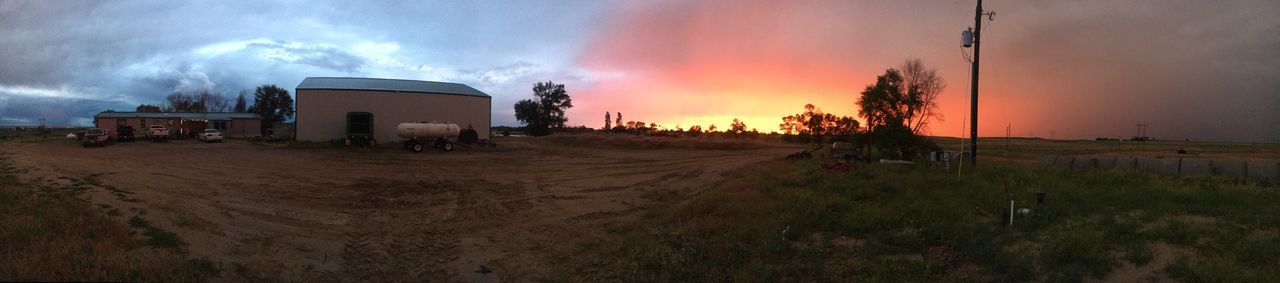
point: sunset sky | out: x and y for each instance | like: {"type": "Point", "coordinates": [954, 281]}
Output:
{"type": "Point", "coordinates": [1202, 70]}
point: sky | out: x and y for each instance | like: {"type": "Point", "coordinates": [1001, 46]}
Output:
{"type": "Point", "coordinates": [1200, 70]}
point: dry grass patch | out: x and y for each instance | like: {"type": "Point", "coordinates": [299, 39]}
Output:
{"type": "Point", "coordinates": [55, 236]}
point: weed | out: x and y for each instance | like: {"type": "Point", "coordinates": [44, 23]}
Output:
{"type": "Point", "coordinates": [766, 222]}
{"type": "Point", "coordinates": [156, 237]}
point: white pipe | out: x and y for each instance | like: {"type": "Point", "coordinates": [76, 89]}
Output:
{"type": "Point", "coordinates": [1010, 213]}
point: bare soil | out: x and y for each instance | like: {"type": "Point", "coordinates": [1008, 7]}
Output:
{"type": "Point", "coordinates": [379, 214]}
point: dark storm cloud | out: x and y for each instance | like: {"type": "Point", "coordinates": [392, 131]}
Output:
{"type": "Point", "coordinates": [1192, 69]}
{"type": "Point", "coordinates": [71, 59]}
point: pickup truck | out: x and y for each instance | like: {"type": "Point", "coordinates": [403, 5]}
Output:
{"type": "Point", "coordinates": [95, 137]}
{"type": "Point", "coordinates": [157, 133]}
{"type": "Point", "coordinates": [210, 135]}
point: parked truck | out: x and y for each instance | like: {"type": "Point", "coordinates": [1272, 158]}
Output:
{"type": "Point", "coordinates": [95, 137]}
{"type": "Point", "coordinates": [440, 135]}
{"type": "Point", "coordinates": [157, 133]}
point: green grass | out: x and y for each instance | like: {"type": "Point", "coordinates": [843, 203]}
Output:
{"type": "Point", "coordinates": [794, 221]}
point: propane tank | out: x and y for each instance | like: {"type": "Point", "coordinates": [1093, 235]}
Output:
{"type": "Point", "coordinates": [427, 130]}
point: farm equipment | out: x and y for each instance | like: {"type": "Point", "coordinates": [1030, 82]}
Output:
{"type": "Point", "coordinates": [437, 134]}
{"type": "Point", "coordinates": [360, 129]}
{"type": "Point", "coordinates": [845, 150]}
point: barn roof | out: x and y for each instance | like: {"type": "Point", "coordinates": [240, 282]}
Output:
{"type": "Point", "coordinates": [217, 116]}
{"type": "Point", "coordinates": [391, 85]}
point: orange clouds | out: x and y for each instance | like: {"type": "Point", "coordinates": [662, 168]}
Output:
{"type": "Point", "coordinates": [705, 63]}
{"type": "Point", "coordinates": [1079, 69]}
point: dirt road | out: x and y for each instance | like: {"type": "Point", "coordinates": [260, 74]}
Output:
{"type": "Point", "coordinates": [381, 214]}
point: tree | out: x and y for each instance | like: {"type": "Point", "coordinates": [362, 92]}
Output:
{"type": "Point", "coordinates": [273, 103]}
{"type": "Point", "coordinates": [888, 107]}
{"type": "Point", "coordinates": [923, 85]}
{"type": "Point", "coordinates": [240, 104]}
{"type": "Point", "coordinates": [712, 128]}
{"type": "Point", "coordinates": [619, 121]}
{"type": "Point", "coordinates": [738, 127]}
{"type": "Point", "coordinates": [148, 108]}
{"type": "Point", "coordinates": [812, 124]}
{"type": "Point", "coordinates": [208, 101]}
{"type": "Point", "coordinates": [546, 110]}
{"type": "Point", "coordinates": [178, 102]}
{"type": "Point", "coordinates": [607, 126]}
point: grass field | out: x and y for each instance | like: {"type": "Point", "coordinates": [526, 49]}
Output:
{"type": "Point", "coordinates": [50, 234]}
{"type": "Point", "coordinates": [648, 209]}
{"type": "Point", "coordinates": [795, 221]}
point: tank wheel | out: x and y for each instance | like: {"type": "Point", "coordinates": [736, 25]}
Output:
{"type": "Point", "coordinates": [417, 147]}
{"type": "Point", "coordinates": [346, 141]}
{"type": "Point", "coordinates": [448, 146]}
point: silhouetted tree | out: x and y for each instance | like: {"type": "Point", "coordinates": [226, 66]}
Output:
{"type": "Point", "coordinates": [546, 110]}
{"type": "Point", "coordinates": [887, 107]}
{"type": "Point", "coordinates": [607, 126]}
{"type": "Point", "coordinates": [178, 102]}
{"type": "Point", "coordinates": [922, 87]}
{"type": "Point", "coordinates": [211, 101]}
{"type": "Point", "coordinates": [738, 127]}
{"type": "Point", "coordinates": [148, 108]}
{"type": "Point", "coordinates": [812, 124]}
{"type": "Point", "coordinates": [240, 104]}
{"type": "Point", "coordinates": [619, 121]}
{"type": "Point", "coordinates": [273, 103]}
{"type": "Point", "coordinates": [712, 128]}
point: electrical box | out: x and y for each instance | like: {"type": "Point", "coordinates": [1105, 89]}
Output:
{"type": "Point", "coordinates": [966, 38]}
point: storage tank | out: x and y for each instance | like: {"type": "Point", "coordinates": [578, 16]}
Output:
{"type": "Point", "coordinates": [427, 130]}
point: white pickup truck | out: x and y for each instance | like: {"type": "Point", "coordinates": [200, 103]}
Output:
{"type": "Point", "coordinates": [157, 133]}
{"type": "Point", "coordinates": [210, 135]}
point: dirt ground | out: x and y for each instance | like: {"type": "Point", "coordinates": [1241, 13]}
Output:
{"type": "Point", "coordinates": [506, 213]}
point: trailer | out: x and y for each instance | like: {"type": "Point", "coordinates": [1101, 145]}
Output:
{"type": "Point", "coordinates": [438, 135]}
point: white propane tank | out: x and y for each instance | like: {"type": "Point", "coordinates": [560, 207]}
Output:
{"type": "Point", "coordinates": [427, 130]}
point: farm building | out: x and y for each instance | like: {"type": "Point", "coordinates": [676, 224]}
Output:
{"type": "Point", "coordinates": [182, 124]}
{"type": "Point", "coordinates": [336, 108]}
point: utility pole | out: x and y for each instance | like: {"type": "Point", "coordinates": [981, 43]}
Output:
{"type": "Point", "coordinates": [1008, 135]}
{"type": "Point", "coordinates": [973, 101]}
{"type": "Point", "coordinates": [1142, 135]}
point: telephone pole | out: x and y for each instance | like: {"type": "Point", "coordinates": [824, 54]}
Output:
{"type": "Point", "coordinates": [973, 101]}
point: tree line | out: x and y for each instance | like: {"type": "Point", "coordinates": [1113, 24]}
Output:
{"type": "Point", "coordinates": [897, 110]}
{"type": "Point", "coordinates": [271, 102]}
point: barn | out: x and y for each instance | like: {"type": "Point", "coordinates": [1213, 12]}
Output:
{"type": "Point", "coordinates": [334, 108]}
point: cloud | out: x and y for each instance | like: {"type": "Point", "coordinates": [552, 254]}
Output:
{"type": "Point", "coordinates": [97, 55]}
{"type": "Point", "coordinates": [1201, 70]}
{"type": "Point", "coordinates": [322, 56]}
